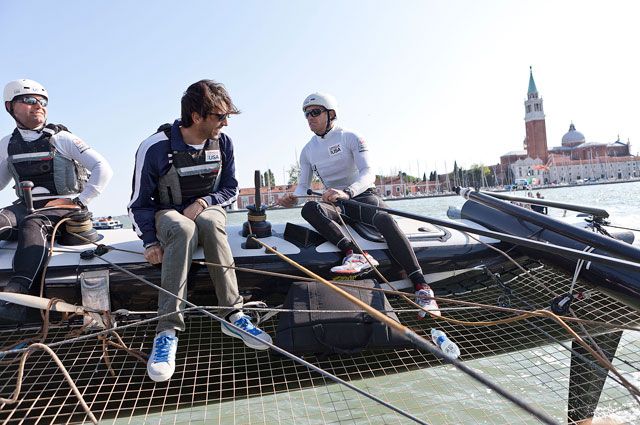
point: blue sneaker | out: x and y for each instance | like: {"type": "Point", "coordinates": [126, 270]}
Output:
{"type": "Point", "coordinates": [162, 361]}
{"type": "Point", "coordinates": [243, 321]}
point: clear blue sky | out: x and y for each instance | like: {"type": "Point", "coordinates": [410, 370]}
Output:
{"type": "Point", "coordinates": [425, 82]}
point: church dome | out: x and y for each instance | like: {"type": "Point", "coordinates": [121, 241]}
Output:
{"type": "Point", "coordinates": [572, 137]}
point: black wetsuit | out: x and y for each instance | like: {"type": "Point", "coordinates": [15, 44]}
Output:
{"type": "Point", "coordinates": [324, 217]}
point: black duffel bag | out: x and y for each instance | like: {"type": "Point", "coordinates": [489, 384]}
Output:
{"type": "Point", "coordinates": [321, 333]}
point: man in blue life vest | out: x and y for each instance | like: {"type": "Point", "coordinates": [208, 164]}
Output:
{"type": "Point", "coordinates": [66, 172]}
{"type": "Point", "coordinates": [184, 177]}
{"type": "Point", "coordinates": [340, 159]}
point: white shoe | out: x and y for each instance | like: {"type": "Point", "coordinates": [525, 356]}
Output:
{"type": "Point", "coordinates": [355, 263]}
{"type": "Point", "coordinates": [426, 303]}
{"type": "Point", "coordinates": [162, 361]}
{"type": "Point", "coordinates": [243, 321]}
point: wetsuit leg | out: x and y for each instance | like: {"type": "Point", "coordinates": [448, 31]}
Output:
{"type": "Point", "coordinates": [33, 233]}
{"type": "Point", "coordinates": [323, 218]}
{"type": "Point", "coordinates": [29, 258]}
{"type": "Point", "coordinates": [9, 218]}
{"type": "Point", "coordinates": [399, 246]}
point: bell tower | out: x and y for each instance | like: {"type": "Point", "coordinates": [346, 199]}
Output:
{"type": "Point", "coordinates": [536, 139]}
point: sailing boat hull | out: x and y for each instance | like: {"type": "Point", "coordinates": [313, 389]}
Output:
{"type": "Point", "coordinates": [439, 251]}
{"type": "Point", "coordinates": [623, 284]}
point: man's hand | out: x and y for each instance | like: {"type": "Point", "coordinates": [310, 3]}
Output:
{"type": "Point", "coordinates": [153, 254]}
{"type": "Point", "coordinates": [193, 210]}
{"type": "Point", "coordinates": [288, 200]}
{"type": "Point", "coordinates": [62, 203]}
{"type": "Point", "coordinates": [332, 195]}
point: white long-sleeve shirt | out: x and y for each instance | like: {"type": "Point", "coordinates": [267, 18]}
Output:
{"type": "Point", "coordinates": [70, 146]}
{"type": "Point", "coordinates": [340, 159]}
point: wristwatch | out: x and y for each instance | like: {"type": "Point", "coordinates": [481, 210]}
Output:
{"type": "Point", "coordinates": [349, 192]}
{"type": "Point", "coordinates": [79, 203]}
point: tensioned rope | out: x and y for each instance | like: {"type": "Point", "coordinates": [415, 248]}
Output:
{"type": "Point", "coordinates": [272, 346]}
{"type": "Point", "coordinates": [525, 313]}
{"type": "Point", "coordinates": [420, 341]}
{"type": "Point", "coordinates": [597, 353]}
{"type": "Point", "coordinates": [230, 266]}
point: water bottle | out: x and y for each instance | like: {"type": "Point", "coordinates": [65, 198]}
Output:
{"type": "Point", "coordinates": [448, 347]}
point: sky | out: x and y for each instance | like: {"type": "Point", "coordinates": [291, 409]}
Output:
{"type": "Point", "coordinates": [425, 82]}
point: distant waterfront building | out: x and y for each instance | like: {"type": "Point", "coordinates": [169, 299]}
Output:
{"type": "Point", "coordinates": [387, 186]}
{"type": "Point", "coordinates": [575, 146]}
{"type": "Point", "coordinates": [533, 170]}
{"type": "Point", "coordinates": [398, 186]}
{"type": "Point", "coordinates": [268, 195]}
{"type": "Point", "coordinates": [573, 161]}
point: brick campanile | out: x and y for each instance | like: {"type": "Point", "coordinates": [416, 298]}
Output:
{"type": "Point", "coordinates": [536, 139]}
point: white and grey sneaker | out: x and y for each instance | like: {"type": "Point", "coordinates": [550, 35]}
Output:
{"type": "Point", "coordinates": [354, 264]}
{"type": "Point", "coordinates": [426, 303]}
{"type": "Point", "coordinates": [243, 321]}
{"type": "Point", "coordinates": [162, 361]}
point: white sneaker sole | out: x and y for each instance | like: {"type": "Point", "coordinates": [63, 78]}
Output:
{"type": "Point", "coordinates": [352, 271]}
{"type": "Point", "coordinates": [355, 270]}
{"type": "Point", "coordinates": [160, 378]}
{"type": "Point", "coordinates": [248, 341]}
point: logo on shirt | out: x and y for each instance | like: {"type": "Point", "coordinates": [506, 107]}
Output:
{"type": "Point", "coordinates": [80, 144]}
{"type": "Point", "coordinates": [362, 145]}
{"type": "Point", "coordinates": [335, 149]}
{"type": "Point", "coordinates": [211, 156]}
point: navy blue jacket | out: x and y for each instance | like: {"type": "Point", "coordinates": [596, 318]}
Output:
{"type": "Point", "coordinates": [152, 161]}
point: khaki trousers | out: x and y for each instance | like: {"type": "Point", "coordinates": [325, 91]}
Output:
{"type": "Point", "coordinates": [180, 237]}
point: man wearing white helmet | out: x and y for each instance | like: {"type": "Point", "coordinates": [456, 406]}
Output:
{"type": "Point", "coordinates": [67, 174]}
{"type": "Point", "coordinates": [340, 160]}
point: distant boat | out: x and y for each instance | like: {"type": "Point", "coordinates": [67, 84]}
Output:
{"type": "Point", "coordinates": [105, 223]}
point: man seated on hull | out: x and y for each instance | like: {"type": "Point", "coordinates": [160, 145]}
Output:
{"type": "Point", "coordinates": [59, 164]}
{"type": "Point", "coordinates": [184, 177]}
{"type": "Point", "coordinates": [340, 160]}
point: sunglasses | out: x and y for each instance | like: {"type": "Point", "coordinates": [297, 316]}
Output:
{"type": "Point", "coordinates": [30, 100]}
{"type": "Point", "coordinates": [221, 117]}
{"type": "Point", "coordinates": [316, 112]}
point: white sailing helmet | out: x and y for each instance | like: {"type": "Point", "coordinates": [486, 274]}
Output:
{"type": "Point", "coordinates": [321, 99]}
{"type": "Point", "coordinates": [22, 87]}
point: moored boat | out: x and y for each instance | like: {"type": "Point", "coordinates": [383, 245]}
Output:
{"type": "Point", "coordinates": [105, 223]}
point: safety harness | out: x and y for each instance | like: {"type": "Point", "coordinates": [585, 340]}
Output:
{"type": "Point", "coordinates": [193, 173]}
{"type": "Point", "coordinates": [40, 162]}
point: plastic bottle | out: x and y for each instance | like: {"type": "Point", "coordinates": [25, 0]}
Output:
{"type": "Point", "coordinates": [448, 347]}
